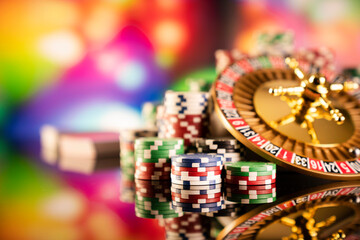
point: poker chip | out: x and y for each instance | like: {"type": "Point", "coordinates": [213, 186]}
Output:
{"type": "Point", "coordinates": [196, 197]}
{"type": "Point", "coordinates": [196, 201]}
{"type": "Point", "coordinates": [258, 201]}
{"type": "Point", "coordinates": [153, 161]}
{"type": "Point", "coordinates": [196, 178]}
{"type": "Point", "coordinates": [198, 205]}
{"type": "Point", "coordinates": [184, 173]}
{"type": "Point", "coordinates": [154, 216]}
{"type": "Point", "coordinates": [199, 210]}
{"type": "Point", "coordinates": [195, 192]}
{"type": "Point", "coordinates": [190, 182]}
{"type": "Point", "coordinates": [251, 174]}
{"type": "Point", "coordinates": [249, 196]}
{"type": "Point", "coordinates": [181, 187]}
{"type": "Point", "coordinates": [198, 169]}
{"type": "Point", "coordinates": [250, 166]}
{"type": "Point", "coordinates": [244, 182]}
{"type": "Point", "coordinates": [250, 192]}
{"type": "Point", "coordinates": [249, 178]}
{"type": "Point", "coordinates": [197, 165]}
{"type": "Point", "coordinates": [251, 187]}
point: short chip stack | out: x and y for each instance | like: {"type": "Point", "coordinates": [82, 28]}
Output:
{"type": "Point", "coordinates": [276, 44]}
{"type": "Point", "coordinates": [127, 190]}
{"type": "Point", "coordinates": [255, 181]}
{"type": "Point", "coordinates": [127, 156]}
{"type": "Point", "coordinates": [189, 226]}
{"type": "Point", "coordinates": [200, 198]}
{"type": "Point", "coordinates": [153, 200]}
{"type": "Point", "coordinates": [185, 114]}
{"type": "Point", "coordinates": [230, 148]}
{"type": "Point", "coordinates": [153, 157]}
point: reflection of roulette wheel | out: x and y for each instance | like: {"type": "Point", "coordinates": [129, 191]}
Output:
{"type": "Point", "coordinates": [321, 213]}
{"type": "Point", "coordinates": [319, 140]}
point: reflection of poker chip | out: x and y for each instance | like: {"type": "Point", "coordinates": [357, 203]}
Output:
{"type": "Point", "coordinates": [257, 201]}
{"type": "Point", "coordinates": [196, 196]}
{"type": "Point", "coordinates": [157, 216]}
{"type": "Point", "coordinates": [232, 196]}
{"type": "Point", "coordinates": [250, 192]}
{"type": "Point", "coordinates": [250, 166]}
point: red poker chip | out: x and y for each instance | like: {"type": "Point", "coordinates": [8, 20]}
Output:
{"type": "Point", "coordinates": [200, 196]}
{"type": "Point", "coordinates": [209, 173]}
{"type": "Point", "coordinates": [151, 177]}
{"type": "Point", "coordinates": [250, 179]}
{"type": "Point", "coordinates": [250, 192]}
{"type": "Point", "coordinates": [154, 169]}
{"type": "Point", "coordinates": [244, 182]}
{"type": "Point", "coordinates": [196, 201]}
{"type": "Point", "coordinates": [194, 169]}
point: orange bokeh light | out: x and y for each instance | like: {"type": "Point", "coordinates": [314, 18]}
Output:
{"type": "Point", "coordinates": [170, 35]}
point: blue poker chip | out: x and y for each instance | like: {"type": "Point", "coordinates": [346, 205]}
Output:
{"type": "Point", "coordinates": [200, 210]}
{"type": "Point", "coordinates": [197, 158]}
{"type": "Point", "coordinates": [193, 188]}
{"type": "Point", "coordinates": [196, 192]}
{"type": "Point", "coordinates": [196, 165]}
{"type": "Point", "coordinates": [198, 205]}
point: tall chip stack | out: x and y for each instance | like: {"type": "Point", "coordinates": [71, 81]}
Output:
{"type": "Point", "coordinates": [189, 226]}
{"type": "Point", "coordinates": [185, 115]}
{"type": "Point", "coordinates": [153, 157]}
{"type": "Point", "coordinates": [153, 200]}
{"type": "Point", "coordinates": [127, 154]}
{"type": "Point", "coordinates": [230, 148]}
{"type": "Point", "coordinates": [196, 182]}
{"type": "Point", "coordinates": [250, 182]}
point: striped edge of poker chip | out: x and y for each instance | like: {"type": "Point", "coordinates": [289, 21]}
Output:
{"type": "Point", "coordinates": [198, 165]}
{"type": "Point", "coordinates": [250, 166]}
{"type": "Point", "coordinates": [196, 196]}
{"type": "Point", "coordinates": [251, 174]}
{"type": "Point", "coordinates": [250, 196]}
{"type": "Point", "coordinates": [196, 178]}
{"type": "Point", "coordinates": [250, 192]}
{"type": "Point", "coordinates": [199, 169]}
{"type": "Point", "coordinates": [154, 141]}
{"type": "Point", "coordinates": [191, 159]}
{"type": "Point", "coordinates": [199, 210]}
{"type": "Point", "coordinates": [260, 182]}
{"type": "Point", "coordinates": [198, 205]}
{"type": "Point", "coordinates": [258, 201]}
{"type": "Point", "coordinates": [195, 192]}
{"type": "Point", "coordinates": [250, 178]}
{"type": "Point", "coordinates": [197, 188]}
{"type": "Point", "coordinates": [186, 182]}
{"type": "Point", "coordinates": [196, 201]}
{"type": "Point", "coordinates": [251, 187]}
{"type": "Point", "coordinates": [193, 174]}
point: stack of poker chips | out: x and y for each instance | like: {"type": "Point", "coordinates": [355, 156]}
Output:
{"type": "Point", "coordinates": [153, 157]}
{"type": "Point", "coordinates": [185, 115]}
{"type": "Point", "coordinates": [321, 57]}
{"type": "Point", "coordinates": [196, 182]}
{"type": "Point", "coordinates": [189, 226]}
{"type": "Point", "coordinates": [230, 148]}
{"type": "Point", "coordinates": [153, 200]}
{"type": "Point", "coordinates": [127, 154]}
{"type": "Point", "coordinates": [278, 44]}
{"type": "Point", "coordinates": [250, 178]}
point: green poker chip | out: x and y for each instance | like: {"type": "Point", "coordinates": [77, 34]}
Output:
{"type": "Point", "coordinates": [151, 141]}
{"type": "Point", "coordinates": [154, 160]}
{"type": "Point", "coordinates": [162, 216]}
{"type": "Point", "coordinates": [247, 174]}
{"type": "Point", "coordinates": [250, 196]}
{"type": "Point", "coordinates": [253, 201]}
{"type": "Point", "coordinates": [155, 212]}
{"type": "Point", "coordinates": [153, 200]}
{"type": "Point", "coordinates": [250, 166]}
{"type": "Point", "coordinates": [158, 148]}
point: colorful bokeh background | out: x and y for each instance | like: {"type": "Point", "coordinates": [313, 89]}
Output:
{"type": "Point", "coordinates": [90, 64]}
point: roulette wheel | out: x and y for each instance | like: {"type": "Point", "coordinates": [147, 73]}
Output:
{"type": "Point", "coordinates": [288, 112]}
